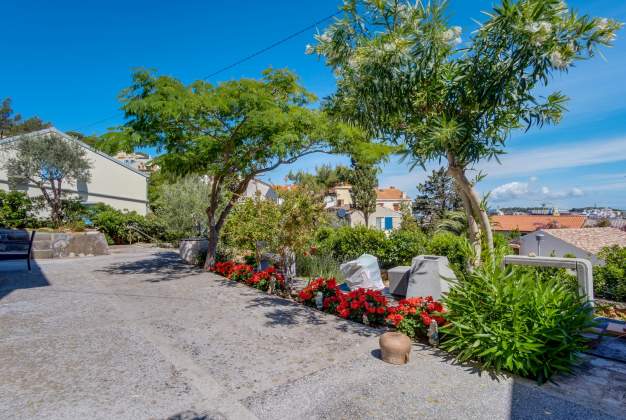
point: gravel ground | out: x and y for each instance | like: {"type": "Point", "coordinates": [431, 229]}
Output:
{"type": "Point", "coordinates": [138, 335]}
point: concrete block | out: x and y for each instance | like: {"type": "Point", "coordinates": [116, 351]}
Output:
{"type": "Point", "coordinates": [430, 275]}
{"type": "Point", "coordinates": [399, 279]}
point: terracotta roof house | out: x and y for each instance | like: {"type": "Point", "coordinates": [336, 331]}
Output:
{"type": "Point", "coordinates": [583, 243]}
{"type": "Point", "coordinates": [531, 223]}
{"type": "Point", "coordinates": [392, 198]}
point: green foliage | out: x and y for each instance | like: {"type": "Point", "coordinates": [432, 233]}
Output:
{"type": "Point", "coordinates": [437, 198]}
{"type": "Point", "coordinates": [15, 209]}
{"type": "Point", "coordinates": [11, 124]}
{"type": "Point", "coordinates": [402, 246]}
{"type": "Point", "coordinates": [126, 227]}
{"type": "Point", "coordinates": [347, 243]}
{"type": "Point", "coordinates": [456, 248]}
{"type": "Point", "coordinates": [506, 319]}
{"type": "Point", "coordinates": [364, 181]}
{"type": "Point", "coordinates": [406, 76]}
{"type": "Point", "coordinates": [318, 265]}
{"type": "Point", "coordinates": [232, 132]}
{"type": "Point", "coordinates": [325, 178]}
{"type": "Point", "coordinates": [610, 279]}
{"type": "Point", "coordinates": [48, 162]}
{"type": "Point", "coordinates": [252, 225]}
{"type": "Point", "coordinates": [181, 205]}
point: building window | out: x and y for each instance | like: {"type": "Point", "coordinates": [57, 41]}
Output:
{"type": "Point", "coordinates": [388, 223]}
{"type": "Point", "coordinates": [380, 223]}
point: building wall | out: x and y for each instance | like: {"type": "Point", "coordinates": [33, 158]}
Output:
{"type": "Point", "coordinates": [344, 199]}
{"type": "Point", "coordinates": [111, 183]}
{"type": "Point", "coordinates": [356, 217]}
{"type": "Point", "coordinates": [551, 246]}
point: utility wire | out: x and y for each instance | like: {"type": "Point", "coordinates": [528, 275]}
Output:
{"type": "Point", "coordinates": [240, 61]}
{"type": "Point", "coordinates": [269, 47]}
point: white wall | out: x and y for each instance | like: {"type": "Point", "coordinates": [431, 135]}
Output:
{"type": "Point", "coordinates": [111, 183]}
{"type": "Point", "coordinates": [552, 246]}
{"type": "Point", "coordinates": [356, 217]}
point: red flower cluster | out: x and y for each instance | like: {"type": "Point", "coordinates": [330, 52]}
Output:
{"type": "Point", "coordinates": [262, 279]}
{"type": "Point", "coordinates": [415, 315]}
{"type": "Point", "coordinates": [360, 305]}
{"type": "Point", "coordinates": [328, 288]}
{"type": "Point", "coordinates": [241, 272]}
{"type": "Point", "coordinates": [363, 305]}
{"type": "Point", "coordinates": [223, 268]}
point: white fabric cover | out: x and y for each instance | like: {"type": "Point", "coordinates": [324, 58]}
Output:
{"type": "Point", "coordinates": [362, 273]}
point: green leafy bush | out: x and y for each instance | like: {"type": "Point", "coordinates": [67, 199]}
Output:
{"type": "Point", "coordinates": [610, 278]}
{"type": "Point", "coordinates": [508, 319]}
{"type": "Point", "coordinates": [347, 243]}
{"type": "Point", "coordinates": [402, 246]}
{"type": "Point", "coordinates": [15, 209]}
{"type": "Point", "coordinates": [126, 227]}
{"type": "Point", "coordinates": [456, 248]}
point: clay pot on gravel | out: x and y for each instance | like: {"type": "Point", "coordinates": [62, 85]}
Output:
{"type": "Point", "coordinates": [395, 348]}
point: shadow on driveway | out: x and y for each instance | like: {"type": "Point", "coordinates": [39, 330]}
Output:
{"type": "Point", "coordinates": [14, 275]}
{"type": "Point", "coordinates": [162, 266]}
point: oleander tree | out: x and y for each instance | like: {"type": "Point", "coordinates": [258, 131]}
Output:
{"type": "Point", "coordinates": [231, 132]}
{"type": "Point", "coordinates": [51, 163]}
{"type": "Point", "coordinates": [406, 75]}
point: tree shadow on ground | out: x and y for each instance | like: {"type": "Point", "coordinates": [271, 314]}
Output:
{"type": "Point", "coordinates": [449, 358]}
{"type": "Point", "coordinates": [193, 415]}
{"type": "Point", "coordinates": [284, 312]}
{"type": "Point", "coordinates": [14, 275]}
{"type": "Point", "coordinates": [162, 266]}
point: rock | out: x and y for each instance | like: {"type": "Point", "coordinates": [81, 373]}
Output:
{"type": "Point", "coordinates": [430, 276]}
{"type": "Point", "coordinates": [399, 280]}
{"type": "Point", "coordinates": [395, 348]}
{"type": "Point", "coordinates": [362, 273]}
{"type": "Point", "coordinates": [193, 249]}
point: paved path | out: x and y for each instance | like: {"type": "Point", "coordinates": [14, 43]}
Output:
{"type": "Point", "coordinates": [137, 335]}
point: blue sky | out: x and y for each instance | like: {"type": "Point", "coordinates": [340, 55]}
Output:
{"type": "Point", "coordinates": [66, 61]}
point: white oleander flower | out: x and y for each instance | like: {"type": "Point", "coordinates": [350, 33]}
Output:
{"type": "Point", "coordinates": [325, 38]}
{"type": "Point", "coordinates": [309, 49]}
{"type": "Point", "coordinates": [602, 24]}
{"type": "Point", "coordinates": [557, 60]}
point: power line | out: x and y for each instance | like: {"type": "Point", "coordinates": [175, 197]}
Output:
{"type": "Point", "coordinates": [269, 47]}
{"type": "Point", "coordinates": [240, 61]}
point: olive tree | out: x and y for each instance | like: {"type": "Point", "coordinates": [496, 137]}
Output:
{"type": "Point", "coordinates": [230, 132]}
{"type": "Point", "coordinates": [50, 162]}
{"type": "Point", "coordinates": [407, 76]}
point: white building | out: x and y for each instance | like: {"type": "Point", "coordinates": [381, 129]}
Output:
{"type": "Point", "coordinates": [583, 242]}
{"type": "Point", "coordinates": [383, 218]}
{"type": "Point", "coordinates": [112, 181]}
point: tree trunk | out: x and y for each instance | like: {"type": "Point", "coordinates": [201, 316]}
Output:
{"type": "Point", "coordinates": [479, 215]}
{"type": "Point", "coordinates": [366, 216]}
{"type": "Point", "coordinates": [473, 232]}
{"type": "Point", "coordinates": [211, 255]}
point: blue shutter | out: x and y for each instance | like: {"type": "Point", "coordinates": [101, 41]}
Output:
{"type": "Point", "coordinates": [388, 223]}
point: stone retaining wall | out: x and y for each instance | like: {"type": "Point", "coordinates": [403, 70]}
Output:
{"type": "Point", "coordinates": [69, 244]}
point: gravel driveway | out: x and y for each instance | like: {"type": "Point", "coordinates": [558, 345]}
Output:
{"type": "Point", "coordinates": [137, 335]}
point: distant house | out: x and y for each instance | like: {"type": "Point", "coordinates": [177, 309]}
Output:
{"type": "Point", "coordinates": [113, 182]}
{"type": "Point", "coordinates": [383, 218]}
{"type": "Point", "coordinates": [140, 161]}
{"type": "Point", "coordinates": [530, 223]}
{"type": "Point", "coordinates": [583, 243]}
{"type": "Point", "coordinates": [392, 198]}
{"type": "Point", "coordinates": [257, 188]}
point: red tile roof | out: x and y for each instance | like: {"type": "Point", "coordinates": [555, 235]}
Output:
{"type": "Point", "coordinates": [528, 223]}
{"type": "Point", "coordinates": [391, 193]}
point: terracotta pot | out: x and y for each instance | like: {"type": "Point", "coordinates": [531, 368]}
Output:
{"type": "Point", "coordinates": [395, 348]}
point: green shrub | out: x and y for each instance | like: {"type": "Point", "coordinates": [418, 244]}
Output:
{"type": "Point", "coordinates": [456, 248]}
{"type": "Point", "coordinates": [610, 279]}
{"type": "Point", "coordinates": [15, 209]}
{"type": "Point", "coordinates": [347, 243]}
{"type": "Point", "coordinates": [508, 319]}
{"type": "Point", "coordinates": [402, 246]}
{"type": "Point", "coordinates": [318, 265]}
{"type": "Point", "coordinates": [126, 227]}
